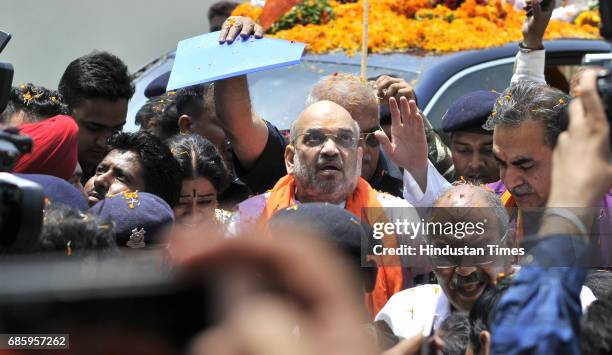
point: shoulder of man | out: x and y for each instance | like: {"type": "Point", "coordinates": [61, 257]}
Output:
{"type": "Point", "coordinates": [409, 310]}
{"type": "Point", "coordinates": [246, 214]}
{"type": "Point", "coordinates": [387, 200]}
{"type": "Point", "coordinates": [396, 208]}
{"type": "Point", "coordinates": [251, 209]}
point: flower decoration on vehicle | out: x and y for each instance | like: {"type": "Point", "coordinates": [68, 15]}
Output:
{"type": "Point", "coordinates": [436, 26]}
{"type": "Point", "coordinates": [317, 12]}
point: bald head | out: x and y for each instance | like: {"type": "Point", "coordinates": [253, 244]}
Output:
{"type": "Point", "coordinates": [322, 114]}
{"type": "Point", "coordinates": [324, 155]}
{"type": "Point", "coordinates": [468, 202]}
{"type": "Point", "coordinates": [466, 195]}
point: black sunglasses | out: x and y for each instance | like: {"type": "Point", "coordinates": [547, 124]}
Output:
{"type": "Point", "coordinates": [369, 138]}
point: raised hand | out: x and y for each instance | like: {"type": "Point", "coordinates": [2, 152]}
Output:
{"type": "Point", "coordinates": [408, 146]}
{"type": "Point", "coordinates": [535, 25]}
{"type": "Point", "coordinates": [388, 87]}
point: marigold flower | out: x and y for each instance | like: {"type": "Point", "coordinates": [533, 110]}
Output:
{"type": "Point", "coordinates": [405, 25]}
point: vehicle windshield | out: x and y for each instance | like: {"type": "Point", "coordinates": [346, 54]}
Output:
{"type": "Point", "coordinates": [289, 87]}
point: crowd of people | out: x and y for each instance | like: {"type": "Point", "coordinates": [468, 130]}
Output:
{"type": "Point", "coordinates": [290, 221]}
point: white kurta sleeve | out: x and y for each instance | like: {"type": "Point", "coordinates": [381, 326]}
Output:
{"type": "Point", "coordinates": [436, 185]}
{"type": "Point", "coordinates": [529, 66]}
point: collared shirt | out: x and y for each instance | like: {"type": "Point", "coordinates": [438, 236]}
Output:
{"type": "Point", "coordinates": [436, 185]}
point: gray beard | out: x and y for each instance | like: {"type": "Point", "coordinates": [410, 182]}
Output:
{"type": "Point", "coordinates": [309, 180]}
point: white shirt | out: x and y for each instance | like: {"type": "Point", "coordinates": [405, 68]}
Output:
{"type": "Point", "coordinates": [424, 308]}
{"type": "Point", "coordinates": [436, 185]}
{"type": "Point", "coordinates": [529, 66]}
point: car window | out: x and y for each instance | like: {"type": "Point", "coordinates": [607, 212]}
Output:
{"type": "Point", "coordinates": [496, 77]}
{"type": "Point", "coordinates": [279, 95]}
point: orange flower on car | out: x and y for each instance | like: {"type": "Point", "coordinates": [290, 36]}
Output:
{"type": "Point", "coordinates": [404, 25]}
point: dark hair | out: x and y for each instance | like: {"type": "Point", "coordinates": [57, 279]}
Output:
{"type": "Point", "coordinates": [599, 282]}
{"type": "Point", "coordinates": [161, 171]}
{"type": "Point", "coordinates": [163, 110]}
{"type": "Point", "coordinates": [220, 9]}
{"type": "Point", "coordinates": [455, 331]}
{"type": "Point", "coordinates": [36, 102]}
{"type": "Point", "coordinates": [191, 100]}
{"type": "Point", "coordinates": [146, 112]}
{"type": "Point", "coordinates": [198, 157]}
{"type": "Point", "coordinates": [98, 75]}
{"type": "Point", "coordinates": [527, 100]}
{"type": "Point", "coordinates": [596, 328]}
{"type": "Point", "coordinates": [67, 229]}
{"type": "Point", "coordinates": [481, 313]}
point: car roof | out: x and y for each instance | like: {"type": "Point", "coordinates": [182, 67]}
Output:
{"type": "Point", "coordinates": [432, 70]}
{"type": "Point", "coordinates": [566, 51]}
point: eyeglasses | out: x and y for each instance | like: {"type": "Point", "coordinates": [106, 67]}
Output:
{"type": "Point", "coordinates": [369, 138]}
{"type": "Point", "coordinates": [315, 138]}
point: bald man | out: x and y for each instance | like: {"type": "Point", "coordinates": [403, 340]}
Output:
{"type": "Point", "coordinates": [323, 162]}
{"type": "Point", "coordinates": [259, 146]}
{"type": "Point", "coordinates": [461, 278]}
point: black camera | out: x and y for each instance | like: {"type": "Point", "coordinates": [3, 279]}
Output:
{"type": "Point", "coordinates": [21, 201]}
{"type": "Point", "coordinates": [604, 80]}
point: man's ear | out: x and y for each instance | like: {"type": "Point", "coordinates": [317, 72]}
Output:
{"type": "Point", "coordinates": [289, 155]}
{"type": "Point", "coordinates": [485, 342]}
{"type": "Point", "coordinates": [184, 123]}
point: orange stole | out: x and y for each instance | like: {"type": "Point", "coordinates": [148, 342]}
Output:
{"type": "Point", "coordinates": [389, 279]}
{"type": "Point", "coordinates": [508, 202]}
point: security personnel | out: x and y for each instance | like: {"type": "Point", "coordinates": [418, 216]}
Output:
{"type": "Point", "coordinates": [472, 145]}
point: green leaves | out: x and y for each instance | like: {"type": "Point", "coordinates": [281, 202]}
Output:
{"type": "Point", "coordinates": [308, 12]}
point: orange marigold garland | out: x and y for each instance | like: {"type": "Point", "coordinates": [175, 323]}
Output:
{"type": "Point", "coordinates": [403, 25]}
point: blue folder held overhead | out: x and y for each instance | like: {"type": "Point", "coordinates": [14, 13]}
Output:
{"type": "Point", "coordinates": [202, 59]}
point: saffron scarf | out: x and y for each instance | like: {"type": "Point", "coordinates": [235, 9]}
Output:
{"type": "Point", "coordinates": [508, 202]}
{"type": "Point", "coordinates": [364, 204]}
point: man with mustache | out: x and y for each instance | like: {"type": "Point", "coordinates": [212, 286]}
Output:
{"type": "Point", "coordinates": [461, 279]}
{"type": "Point", "coordinates": [527, 119]}
{"type": "Point", "coordinates": [136, 162]}
{"type": "Point", "coordinates": [323, 163]}
{"type": "Point", "coordinates": [471, 145]}
{"type": "Point", "coordinates": [258, 145]}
